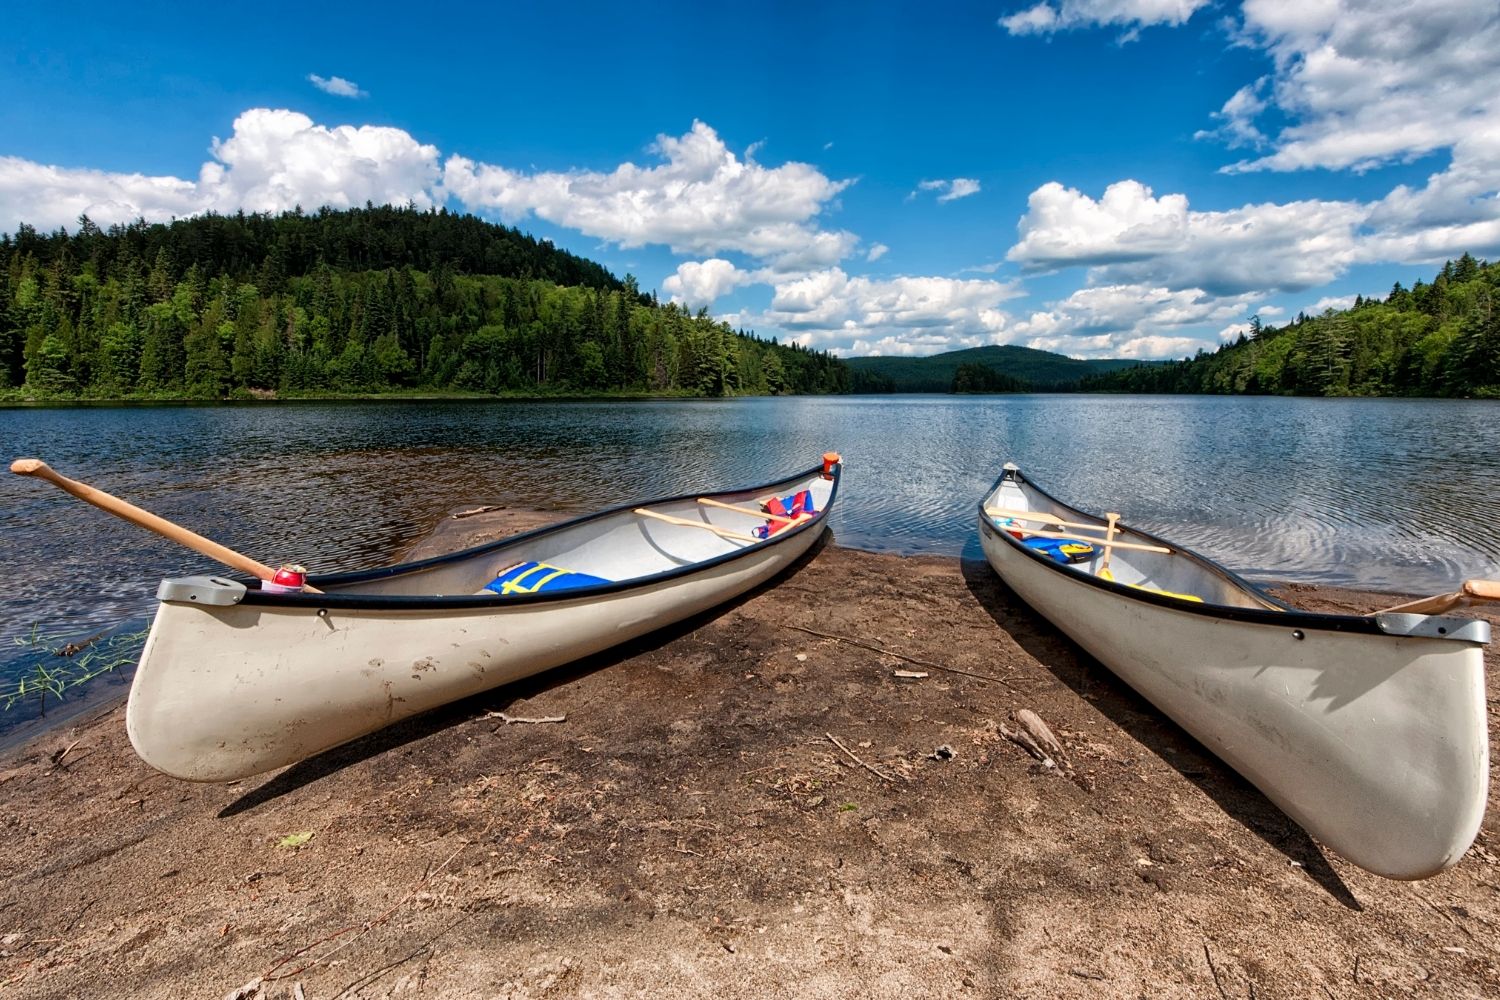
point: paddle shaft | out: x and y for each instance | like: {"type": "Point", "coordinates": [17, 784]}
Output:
{"type": "Point", "coordinates": [725, 532]}
{"type": "Point", "coordinates": [746, 510]}
{"type": "Point", "coordinates": [1472, 590]}
{"type": "Point", "coordinates": [1099, 542]}
{"type": "Point", "coordinates": [109, 503]}
{"type": "Point", "coordinates": [1031, 515]}
{"type": "Point", "coordinates": [1109, 541]}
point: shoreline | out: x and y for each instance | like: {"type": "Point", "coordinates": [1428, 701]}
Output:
{"type": "Point", "coordinates": [691, 829]}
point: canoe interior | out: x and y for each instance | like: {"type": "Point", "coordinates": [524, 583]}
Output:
{"type": "Point", "coordinates": [1176, 572]}
{"type": "Point", "coordinates": [618, 545]}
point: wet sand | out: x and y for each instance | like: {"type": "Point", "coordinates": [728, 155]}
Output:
{"type": "Point", "coordinates": [692, 829]}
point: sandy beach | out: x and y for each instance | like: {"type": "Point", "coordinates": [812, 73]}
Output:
{"type": "Point", "coordinates": [762, 801]}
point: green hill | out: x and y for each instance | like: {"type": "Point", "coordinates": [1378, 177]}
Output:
{"type": "Point", "coordinates": [1036, 370]}
{"type": "Point", "coordinates": [358, 301]}
{"type": "Point", "coordinates": [1438, 339]}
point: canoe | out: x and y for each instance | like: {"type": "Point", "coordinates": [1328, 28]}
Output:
{"type": "Point", "coordinates": [1369, 731]}
{"type": "Point", "coordinates": [235, 680]}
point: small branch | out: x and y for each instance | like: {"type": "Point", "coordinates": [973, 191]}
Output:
{"type": "Point", "coordinates": [868, 767]}
{"type": "Point", "coordinates": [899, 656]}
{"type": "Point", "coordinates": [1215, 971]}
{"type": "Point", "coordinates": [476, 510]}
{"type": "Point", "coordinates": [516, 720]}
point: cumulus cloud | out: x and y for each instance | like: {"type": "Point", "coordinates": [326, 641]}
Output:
{"type": "Point", "coordinates": [272, 161]}
{"type": "Point", "coordinates": [697, 284]}
{"type": "Point", "coordinates": [1327, 302]}
{"type": "Point", "coordinates": [1131, 236]}
{"type": "Point", "coordinates": [1367, 82]}
{"type": "Point", "coordinates": [336, 85]}
{"type": "Point", "coordinates": [877, 251]}
{"type": "Point", "coordinates": [1128, 321]}
{"type": "Point", "coordinates": [1062, 15]}
{"type": "Point", "coordinates": [832, 310]}
{"type": "Point", "coordinates": [702, 199]}
{"type": "Point", "coordinates": [950, 190]}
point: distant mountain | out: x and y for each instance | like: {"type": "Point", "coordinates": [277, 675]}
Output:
{"type": "Point", "coordinates": [1037, 370]}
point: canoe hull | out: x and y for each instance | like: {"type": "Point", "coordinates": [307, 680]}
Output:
{"type": "Point", "coordinates": [234, 681]}
{"type": "Point", "coordinates": [227, 692]}
{"type": "Point", "coordinates": [1376, 744]}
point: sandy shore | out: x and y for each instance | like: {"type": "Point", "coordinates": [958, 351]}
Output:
{"type": "Point", "coordinates": [692, 830]}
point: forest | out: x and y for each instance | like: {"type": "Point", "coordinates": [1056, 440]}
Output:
{"type": "Point", "coordinates": [358, 301]}
{"type": "Point", "coordinates": [1434, 339]}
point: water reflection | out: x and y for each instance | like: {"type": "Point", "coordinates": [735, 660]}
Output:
{"type": "Point", "coordinates": [1388, 494]}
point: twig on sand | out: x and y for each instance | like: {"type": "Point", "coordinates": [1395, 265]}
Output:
{"type": "Point", "coordinates": [516, 720]}
{"type": "Point", "coordinates": [899, 656]}
{"type": "Point", "coordinates": [868, 767]}
{"type": "Point", "coordinates": [61, 755]}
{"type": "Point", "coordinates": [477, 510]}
{"type": "Point", "coordinates": [1215, 971]}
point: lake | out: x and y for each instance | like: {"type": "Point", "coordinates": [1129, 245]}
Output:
{"type": "Point", "coordinates": [1400, 495]}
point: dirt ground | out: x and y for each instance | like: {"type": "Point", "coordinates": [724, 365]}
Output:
{"type": "Point", "coordinates": [692, 829]}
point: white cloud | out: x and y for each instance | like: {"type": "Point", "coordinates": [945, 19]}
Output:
{"type": "Point", "coordinates": [698, 284]}
{"type": "Point", "coordinates": [832, 310]}
{"type": "Point", "coordinates": [1131, 236]}
{"type": "Point", "coordinates": [1061, 15]}
{"type": "Point", "coordinates": [1367, 82]}
{"type": "Point", "coordinates": [274, 160]}
{"type": "Point", "coordinates": [1234, 330]}
{"type": "Point", "coordinates": [1238, 116]}
{"type": "Point", "coordinates": [1128, 321]}
{"type": "Point", "coordinates": [1335, 302]}
{"type": "Point", "coordinates": [336, 85]}
{"type": "Point", "coordinates": [877, 251]}
{"type": "Point", "coordinates": [703, 199]}
{"type": "Point", "coordinates": [958, 187]}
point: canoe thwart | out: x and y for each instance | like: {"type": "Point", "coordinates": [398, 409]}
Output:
{"type": "Point", "coordinates": [1099, 542]}
{"type": "Point", "coordinates": [1040, 518]}
{"type": "Point", "coordinates": [684, 522]}
{"type": "Point", "coordinates": [764, 515]}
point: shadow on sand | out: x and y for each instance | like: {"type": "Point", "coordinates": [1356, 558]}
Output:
{"type": "Point", "coordinates": [1089, 678]}
{"type": "Point", "coordinates": [422, 726]}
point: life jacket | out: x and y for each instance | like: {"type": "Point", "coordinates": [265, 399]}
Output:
{"type": "Point", "coordinates": [796, 506]}
{"type": "Point", "coordinates": [1064, 550]}
{"type": "Point", "coordinates": [539, 578]}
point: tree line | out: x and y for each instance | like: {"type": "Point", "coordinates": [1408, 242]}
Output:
{"type": "Point", "coordinates": [1435, 339]}
{"type": "Point", "coordinates": [368, 300]}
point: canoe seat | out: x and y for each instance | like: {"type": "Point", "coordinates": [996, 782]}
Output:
{"type": "Point", "coordinates": [533, 577]}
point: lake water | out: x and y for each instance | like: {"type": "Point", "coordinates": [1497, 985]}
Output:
{"type": "Point", "coordinates": [1399, 495]}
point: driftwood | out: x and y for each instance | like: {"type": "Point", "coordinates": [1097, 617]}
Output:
{"type": "Point", "coordinates": [1036, 738]}
{"type": "Point", "coordinates": [477, 510]}
{"type": "Point", "coordinates": [516, 720]}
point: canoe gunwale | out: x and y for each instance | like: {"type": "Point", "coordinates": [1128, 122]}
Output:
{"type": "Point", "coordinates": [400, 602]}
{"type": "Point", "coordinates": [1281, 614]}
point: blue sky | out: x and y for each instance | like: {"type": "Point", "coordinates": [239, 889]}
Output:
{"type": "Point", "coordinates": [1098, 177]}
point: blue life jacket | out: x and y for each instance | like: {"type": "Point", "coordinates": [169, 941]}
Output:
{"type": "Point", "coordinates": [539, 578]}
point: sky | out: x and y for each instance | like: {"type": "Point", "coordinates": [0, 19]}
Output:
{"type": "Point", "coordinates": [1101, 178]}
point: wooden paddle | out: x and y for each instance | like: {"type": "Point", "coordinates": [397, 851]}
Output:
{"type": "Point", "coordinates": [1109, 547]}
{"type": "Point", "coordinates": [723, 532]}
{"type": "Point", "coordinates": [145, 519]}
{"type": "Point", "coordinates": [1470, 591]}
{"type": "Point", "coordinates": [746, 510]}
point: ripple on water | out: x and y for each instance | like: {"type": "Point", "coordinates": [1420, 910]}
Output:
{"type": "Point", "coordinates": [1398, 495]}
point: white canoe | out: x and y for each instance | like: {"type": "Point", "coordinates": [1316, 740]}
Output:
{"type": "Point", "coordinates": [1369, 731]}
{"type": "Point", "coordinates": [234, 680]}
